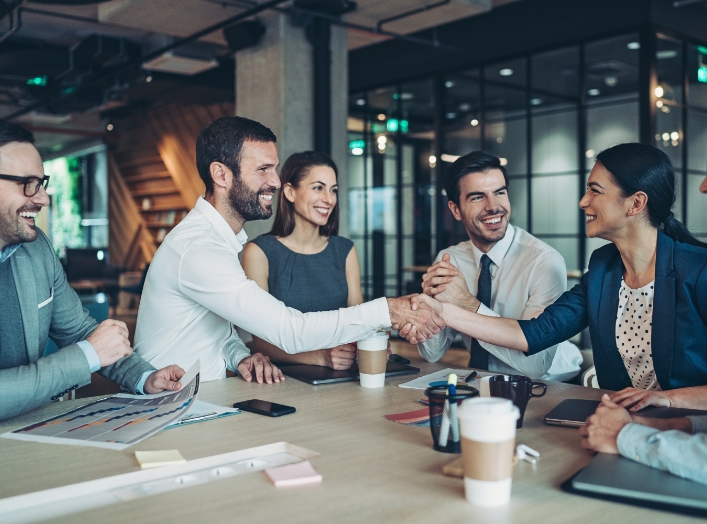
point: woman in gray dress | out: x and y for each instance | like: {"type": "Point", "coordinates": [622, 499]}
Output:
{"type": "Point", "coordinates": [302, 261]}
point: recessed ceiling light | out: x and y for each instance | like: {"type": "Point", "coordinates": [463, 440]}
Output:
{"type": "Point", "coordinates": [593, 92]}
{"type": "Point", "coordinates": [633, 45]}
{"type": "Point", "coordinates": [536, 101]}
{"type": "Point", "coordinates": [381, 117]}
{"type": "Point", "coordinates": [449, 83]}
{"type": "Point", "coordinates": [666, 53]}
{"type": "Point", "coordinates": [360, 102]}
{"type": "Point", "coordinates": [474, 122]}
{"type": "Point", "coordinates": [506, 72]}
{"type": "Point", "coordinates": [451, 115]}
{"type": "Point", "coordinates": [611, 81]}
{"type": "Point", "coordinates": [659, 92]}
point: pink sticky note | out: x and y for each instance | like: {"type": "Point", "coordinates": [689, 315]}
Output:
{"type": "Point", "coordinates": [294, 475]}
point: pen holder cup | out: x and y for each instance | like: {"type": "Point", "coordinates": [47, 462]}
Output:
{"type": "Point", "coordinates": [444, 421]}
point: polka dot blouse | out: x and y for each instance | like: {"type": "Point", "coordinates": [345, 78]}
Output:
{"type": "Point", "coordinates": [633, 334]}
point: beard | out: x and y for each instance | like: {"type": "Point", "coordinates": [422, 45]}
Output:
{"type": "Point", "coordinates": [12, 227]}
{"type": "Point", "coordinates": [246, 202]}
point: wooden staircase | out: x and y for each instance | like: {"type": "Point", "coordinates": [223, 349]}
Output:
{"type": "Point", "coordinates": [153, 180]}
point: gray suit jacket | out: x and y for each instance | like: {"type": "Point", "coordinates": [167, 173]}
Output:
{"type": "Point", "coordinates": [50, 308]}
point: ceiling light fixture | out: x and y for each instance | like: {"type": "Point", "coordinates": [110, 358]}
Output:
{"type": "Point", "coordinates": [594, 92]}
{"type": "Point", "coordinates": [659, 91]}
{"type": "Point", "coordinates": [474, 122]}
{"type": "Point", "coordinates": [507, 71]}
{"type": "Point", "coordinates": [633, 45]}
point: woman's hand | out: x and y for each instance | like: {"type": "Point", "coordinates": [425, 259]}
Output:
{"type": "Point", "coordinates": [340, 357]}
{"type": "Point", "coordinates": [635, 399]}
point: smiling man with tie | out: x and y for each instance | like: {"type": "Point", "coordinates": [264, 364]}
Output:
{"type": "Point", "coordinates": [502, 270]}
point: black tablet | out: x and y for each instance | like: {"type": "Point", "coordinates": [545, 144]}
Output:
{"type": "Point", "coordinates": [573, 412]}
{"type": "Point", "coordinates": [323, 375]}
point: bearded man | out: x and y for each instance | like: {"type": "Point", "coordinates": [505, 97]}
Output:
{"type": "Point", "coordinates": [196, 291]}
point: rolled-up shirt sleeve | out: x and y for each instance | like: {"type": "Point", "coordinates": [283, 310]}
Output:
{"type": "Point", "coordinates": [675, 451]}
{"type": "Point", "coordinates": [214, 278]}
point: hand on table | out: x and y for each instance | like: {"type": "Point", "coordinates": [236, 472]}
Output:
{"type": "Point", "coordinates": [340, 357]}
{"type": "Point", "coordinates": [165, 378]}
{"type": "Point", "coordinates": [110, 340]}
{"type": "Point", "coordinates": [603, 428]}
{"type": "Point", "coordinates": [425, 322]}
{"type": "Point", "coordinates": [265, 371]}
{"type": "Point", "coordinates": [634, 399]}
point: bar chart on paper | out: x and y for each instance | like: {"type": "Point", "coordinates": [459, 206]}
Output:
{"type": "Point", "coordinates": [115, 422]}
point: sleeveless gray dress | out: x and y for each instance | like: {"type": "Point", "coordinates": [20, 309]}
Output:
{"type": "Point", "coordinates": [307, 282]}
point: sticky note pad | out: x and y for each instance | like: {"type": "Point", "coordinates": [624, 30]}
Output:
{"type": "Point", "coordinates": [294, 475]}
{"type": "Point", "coordinates": [155, 459]}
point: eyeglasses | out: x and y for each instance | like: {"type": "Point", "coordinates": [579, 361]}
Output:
{"type": "Point", "coordinates": [31, 183]}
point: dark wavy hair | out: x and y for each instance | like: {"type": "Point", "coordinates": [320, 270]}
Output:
{"type": "Point", "coordinates": [222, 141]}
{"type": "Point", "coordinates": [474, 162]}
{"type": "Point", "coordinates": [640, 167]}
{"type": "Point", "coordinates": [296, 168]}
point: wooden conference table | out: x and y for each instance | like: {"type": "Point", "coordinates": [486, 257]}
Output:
{"type": "Point", "coordinates": [374, 470]}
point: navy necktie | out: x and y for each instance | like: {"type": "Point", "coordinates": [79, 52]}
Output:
{"type": "Point", "coordinates": [479, 357]}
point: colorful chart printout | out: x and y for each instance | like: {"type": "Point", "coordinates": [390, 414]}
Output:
{"type": "Point", "coordinates": [115, 422]}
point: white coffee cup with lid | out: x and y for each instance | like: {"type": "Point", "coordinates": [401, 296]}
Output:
{"type": "Point", "coordinates": [488, 431]}
{"type": "Point", "coordinates": [373, 359]}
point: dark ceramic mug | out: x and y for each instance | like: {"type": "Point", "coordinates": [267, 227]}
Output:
{"type": "Point", "coordinates": [516, 388]}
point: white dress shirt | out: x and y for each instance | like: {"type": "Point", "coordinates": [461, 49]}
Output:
{"type": "Point", "coordinates": [526, 276]}
{"type": "Point", "coordinates": [196, 291]}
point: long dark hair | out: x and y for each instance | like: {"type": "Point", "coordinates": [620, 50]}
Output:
{"type": "Point", "coordinates": [296, 168]}
{"type": "Point", "coordinates": [640, 167]}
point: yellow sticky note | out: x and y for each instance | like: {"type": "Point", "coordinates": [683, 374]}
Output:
{"type": "Point", "coordinates": [155, 459]}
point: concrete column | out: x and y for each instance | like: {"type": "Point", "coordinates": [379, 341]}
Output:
{"type": "Point", "coordinates": [275, 86]}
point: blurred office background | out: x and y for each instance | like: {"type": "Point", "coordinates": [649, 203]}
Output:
{"type": "Point", "coordinates": [116, 92]}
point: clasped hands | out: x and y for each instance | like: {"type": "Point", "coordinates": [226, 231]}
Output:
{"type": "Point", "coordinates": [442, 284]}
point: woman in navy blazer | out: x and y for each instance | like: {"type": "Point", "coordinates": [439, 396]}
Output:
{"type": "Point", "coordinates": [629, 195]}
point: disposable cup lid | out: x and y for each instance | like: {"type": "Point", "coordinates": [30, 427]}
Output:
{"type": "Point", "coordinates": [377, 335]}
{"type": "Point", "coordinates": [484, 406]}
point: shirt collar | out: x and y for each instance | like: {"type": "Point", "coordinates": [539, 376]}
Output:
{"type": "Point", "coordinates": [221, 227]}
{"type": "Point", "coordinates": [497, 252]}
{"type": "Point", "coordinates": [7, 252]}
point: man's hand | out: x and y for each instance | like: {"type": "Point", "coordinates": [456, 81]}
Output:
{"type": "Point", "coordinates": [340, 357]}
{"type": "Point", "coordinates": [425, 322]}
{"type": "Point", "coordinates": [110, 340]}
{"type": "Point", "coordinates": [438, 276]}
{"type": "Point", "coordinates": [635, 399]}
{"type": "Point", "coordinates": [262, 367]}
{"type": "Point", "coordinates": [603, 428]}
{"type": "Point", "coordinates": [165, 378]}
{"type": "Point", "coordinates": [444, 282]}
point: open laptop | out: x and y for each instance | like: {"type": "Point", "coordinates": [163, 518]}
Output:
{"type": "Point", "coordinates": [616, 477]}
{"type": "Point", "coordinates": [323, 375]}
{"type": "Point", "coordinates": [573, 412]}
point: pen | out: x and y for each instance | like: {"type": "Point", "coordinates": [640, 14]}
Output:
{"type": "Point", "coordinates": [471, 376]}
{"type": "Point", "coordinates": [198, 417]}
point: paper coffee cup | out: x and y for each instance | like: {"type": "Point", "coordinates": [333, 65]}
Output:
{"type": "Point", "coordinates": [372, 360]}
{"type": "Point", "coordinates": [488, 431]}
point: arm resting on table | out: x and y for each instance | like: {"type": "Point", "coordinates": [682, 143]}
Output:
{"type": "Point", "coordinates": [27, 387]}
{"type": "Point", "coordinates": [679, 453]}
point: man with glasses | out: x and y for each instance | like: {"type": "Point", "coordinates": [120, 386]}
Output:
{"type": "Point", "coordinates": [36, 302]}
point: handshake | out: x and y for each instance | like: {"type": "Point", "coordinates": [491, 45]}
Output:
{"type": "Point", "coordinates": [420, 317]}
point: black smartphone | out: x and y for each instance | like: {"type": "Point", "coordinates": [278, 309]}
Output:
{"type": "Point", "coordinates": [262, 407]}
